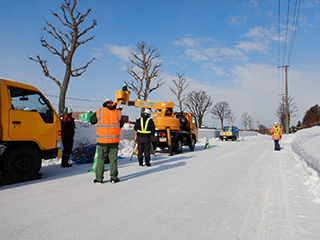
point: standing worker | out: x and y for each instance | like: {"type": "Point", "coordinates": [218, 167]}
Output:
{"type": "Point", "coordinates": [276, 132]}
{"type": "Point", "coordinates": [145, 129]}
{"type": "Point", "coordinates": [67, 128]}
{"type": "Point", "coordinates": [109, 121]}
{"type": "Point", "coordinates": [124, 87]}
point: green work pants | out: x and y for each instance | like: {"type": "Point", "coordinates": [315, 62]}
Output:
{"type": "Point", "coordinates": [112, 153]}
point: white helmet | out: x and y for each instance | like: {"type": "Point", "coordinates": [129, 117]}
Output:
{"type": "Point", "coordinates": [70, 110]}
{"type": "Point", "coordinates": [147, 111]}
{"type": "Point", "coordinates": [275, 123]}
{"type": "Point", "coordinates": [108, 100]}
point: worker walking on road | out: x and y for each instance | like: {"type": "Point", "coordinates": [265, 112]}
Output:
{"type": "Point", "coordinates": [276, 132]}
{"type": "Point", "coordinates": [145, 128]}
{"type": "Point", "coordinates": [109, 121]}
{"type": "Point", "coordinates": [67, 129]}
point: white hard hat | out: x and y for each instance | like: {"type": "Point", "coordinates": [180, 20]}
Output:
{"type": "Point", "coordinates": [275, 123]}
{"type": "Point", "coordinates": [108, 100]}
{"type": "Point", "coordinates": [147, 111]}
{"type": "Point", "coordinates": [70, 110]}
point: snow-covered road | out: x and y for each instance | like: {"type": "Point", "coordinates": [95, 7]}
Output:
{"type": "Point", "coordinates": [234, 190]}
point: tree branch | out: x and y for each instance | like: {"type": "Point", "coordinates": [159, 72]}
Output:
{"type": "Point", "coordinates": [45, 69]}
{"type": "Point", "coordinates": [79, 71]}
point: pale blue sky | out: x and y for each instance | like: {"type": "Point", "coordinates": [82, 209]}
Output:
{"type": "Point", "coordinates": [227, 48]}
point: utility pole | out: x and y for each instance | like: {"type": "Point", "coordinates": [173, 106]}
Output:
{"type": "Point", "coordinates": [286, 99]}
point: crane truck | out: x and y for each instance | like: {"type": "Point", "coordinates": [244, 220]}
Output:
{"type": "Point", "coordinates": [30, 130]}
{"type": "Point", "coordinates": [173, 129]}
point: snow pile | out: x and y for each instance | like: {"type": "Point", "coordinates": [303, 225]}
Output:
{"type": "Point", "coordinates": [305, 143]}
{"type": "Point", "coordinates": [85, 134]}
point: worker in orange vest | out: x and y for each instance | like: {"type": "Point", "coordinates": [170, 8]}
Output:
{"type": "Point", "coordinates": [276, 132]}
{"type": "Point", "coordinates": [109, 121]}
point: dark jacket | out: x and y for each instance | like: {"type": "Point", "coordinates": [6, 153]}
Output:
{"type": "Point", "coordinates": [151, 126]}
{"type": "Point", "coordinates": [67, 127]}
{"type": "Point", "coordinates": [94, 120]}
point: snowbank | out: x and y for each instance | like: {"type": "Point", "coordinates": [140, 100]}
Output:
{"type": "Point", "coordinates": [305, 143]}
{"type": "Point", "coordinates": [85, 134]}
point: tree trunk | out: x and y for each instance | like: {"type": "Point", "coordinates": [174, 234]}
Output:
{"type": "Point", "coordinates": [63, 90]}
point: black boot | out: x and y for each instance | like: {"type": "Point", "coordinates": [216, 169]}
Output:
{"type": "Point", "coordinates": [64, 162]}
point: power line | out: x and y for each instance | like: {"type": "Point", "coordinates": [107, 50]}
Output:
{"type": "Point", "coordinates": [285, 40]}
{"type": "Point", "coordinates": [279, 81]}
{"type": "Point", "coordinates": [77, 99]}
{"type": "Point", "coordinates": [294, 29]}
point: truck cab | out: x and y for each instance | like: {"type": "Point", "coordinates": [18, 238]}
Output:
{"type": "Point", "coordinates": [30, 130]}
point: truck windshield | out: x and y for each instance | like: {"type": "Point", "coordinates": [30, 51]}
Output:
{"type": "Point", "coordinates": [194, 120]}
{"type": "Point", "coordinates": [26, 100]}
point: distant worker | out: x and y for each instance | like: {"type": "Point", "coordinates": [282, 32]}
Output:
{"type": "Point", "coordinates": [67, 129]}
{"type": "Point", "coordinates": [169, 112]}
{"type": "Point", "coordinates": [124, 87]}
{"type": "Point", "coordinates": [109, 121]}
{"type": "Point", "coordinates": [145, 128]}
{"type": "Point", "coordinates": [276, 132]}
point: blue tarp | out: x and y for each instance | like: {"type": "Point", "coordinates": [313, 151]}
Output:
{"type": "Point", "coordinates": [83, 154]}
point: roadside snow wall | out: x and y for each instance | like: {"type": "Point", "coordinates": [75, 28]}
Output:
{"type": "Point", "coordinates": [306, 144]}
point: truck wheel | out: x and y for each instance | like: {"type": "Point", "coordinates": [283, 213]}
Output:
{"type": "Point", "coordinates": [179, 146]}
{"type": "Point", "coordinates": [192, 145]}
{"type": "Point", "coordinates": [21, 164]}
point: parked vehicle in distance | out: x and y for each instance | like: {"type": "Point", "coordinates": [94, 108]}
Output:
{"type": "Point", "coordinates": [229, 132]}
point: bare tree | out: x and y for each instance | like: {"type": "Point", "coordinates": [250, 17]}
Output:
{"type": "Point", "coordinates": [69, 41]}
{"type": "Point", "coordinates": [180, 86]}
{"type": "Point", "coordinates": [250, 122]}
{"type": "Point", "coordinates": [221, 111]}
{"type": "Point", "coordinates": [146, 68]}
{"type": "Point", "coordinates": [198, 103]}
{"type": "Point", "coordinates": [244, 119]}
{"type": "Point", "coordinates": [231, 119]}
{"type": "Point", "coordinates": [281, 110]}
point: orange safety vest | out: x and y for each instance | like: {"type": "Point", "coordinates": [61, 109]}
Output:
{"type": "Point", "coordinates": [108, 125]}
{"type": "Point", "coordinates": [276, 132]}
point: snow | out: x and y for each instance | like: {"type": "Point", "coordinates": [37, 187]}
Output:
{"type": "Point", "coordinates": [233, 190]}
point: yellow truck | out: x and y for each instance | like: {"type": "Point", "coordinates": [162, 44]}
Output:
{"type": "Point", "coordinates": [173, 129]}
{"type": "Point", "coordinates": [30, 130]}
